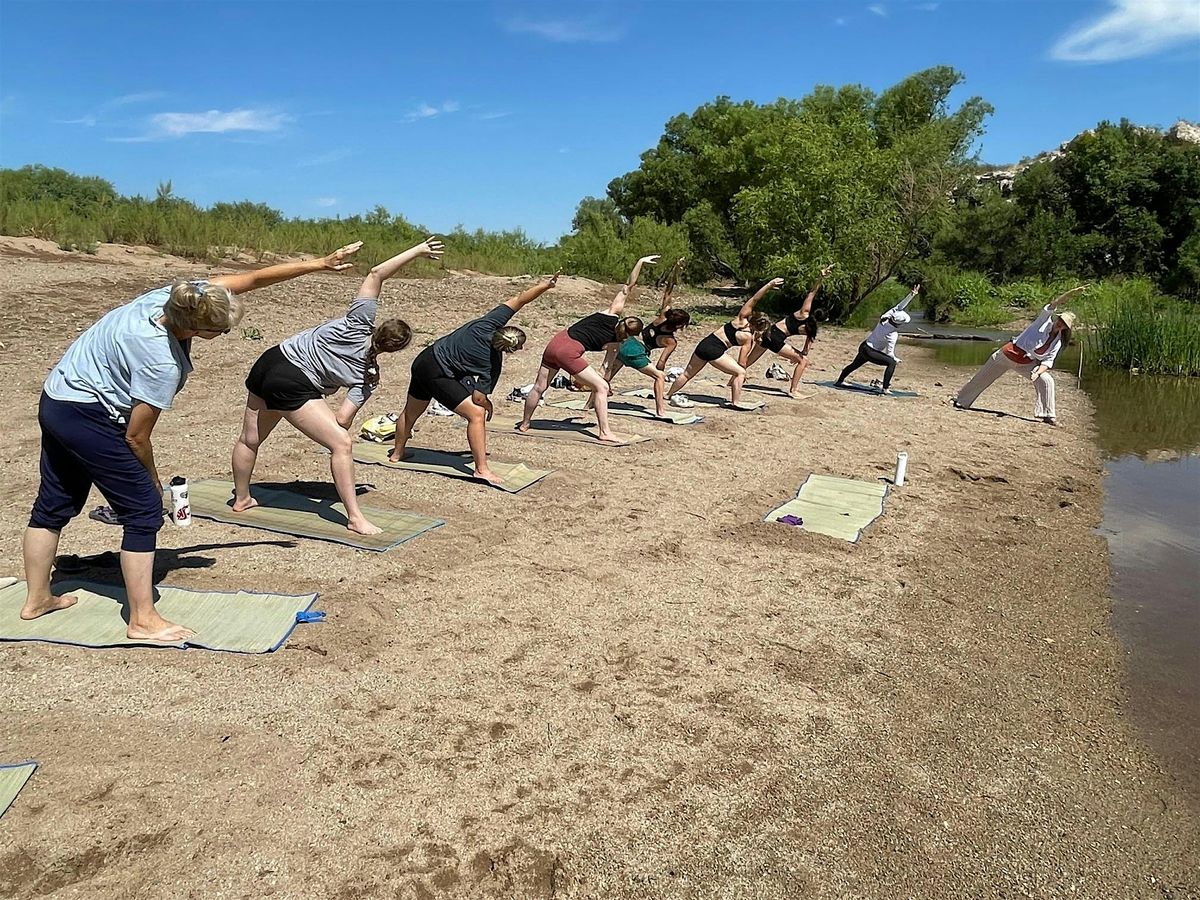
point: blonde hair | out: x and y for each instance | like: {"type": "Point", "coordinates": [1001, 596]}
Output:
{"type": "Point", "coordinates": [758, 323]}
{"type": "Point", "coordinates": [508, 338]}
{"type": "Point", "coordinates": [192, 307]}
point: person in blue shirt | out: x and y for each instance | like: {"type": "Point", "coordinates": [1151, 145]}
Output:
{"type": "Point", "coordinates": [461, 369]}
{"type": "Point", "coordinates": [97, 412]}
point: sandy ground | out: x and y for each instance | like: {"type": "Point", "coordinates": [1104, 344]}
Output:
{"type": "Point", "coordinates": [620, 683]}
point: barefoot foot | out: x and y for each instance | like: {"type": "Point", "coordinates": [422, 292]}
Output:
{"type": "Point", "coordinates": [362, 526]}
{"type": "Point", "coordinates": [610, 438]}
{"type": "Point", "coordinates": [243, 505]}
{"type": "Point", "coordinates": [488, 476]}
{"type": "Point", "coordinates": [162, 632]}
{"type": "Point", "coordinates": [35, 607]}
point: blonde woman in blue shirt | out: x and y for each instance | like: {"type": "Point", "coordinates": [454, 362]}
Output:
{"type": "Point", "coordinates": [98, 409]}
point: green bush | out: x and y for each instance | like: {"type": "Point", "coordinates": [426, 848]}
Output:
{"type": "Point", "coordinates": [878, 302]}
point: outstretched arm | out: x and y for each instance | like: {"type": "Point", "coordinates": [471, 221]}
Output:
{"type": "Point", "coordinates": [249, 281]}
{"type": "Point", "coordinates": [528, 296]}
{"type": "Point", "coordinates": [748, 307]}
{"type": "Point", "coordinates": [626, 291]}
{"type": "Point", "coordinates": [672, 280]}
{"type": "Point", "coordinates": [430, 248]}
{"type": "Point", "coordinates": [666, 354]}
{"type": "Point", "coordinates": [806, 308]}
{"type": "Point", "coordinates": [1062, 298]}
{"type": "Point", "coordinates": [903, 304]}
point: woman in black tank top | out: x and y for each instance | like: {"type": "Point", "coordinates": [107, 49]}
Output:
{"type": "Point", "coordinates": [793, 324]}
{"type": "Point", "coordinates": [738, 332]}
{"type": "Point", "coordinates": [565, 350]}
{"type": "Point", "coordinates": [660, 333]}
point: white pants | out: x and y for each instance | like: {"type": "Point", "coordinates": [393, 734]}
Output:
{"type": "Point", "coordinates": [996, 366]}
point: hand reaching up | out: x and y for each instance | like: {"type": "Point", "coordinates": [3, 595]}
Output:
{"type": "Point", "coordinates": [336, 261]}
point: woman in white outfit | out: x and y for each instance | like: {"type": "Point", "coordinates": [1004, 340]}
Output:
{"type": "Point", "coordinates": [880, 346]}
{"type": "Point", "coordinates": [1032, 354]}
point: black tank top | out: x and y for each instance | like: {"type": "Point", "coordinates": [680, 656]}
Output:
{"type": "Point", "coordinates": [595, 331]}
{"type": "Point", "coordinates": [651, 334]}
{"type": "Point", "coordinates": [794, 325]}
{"type": "Point", "coordinates": [731, 333]}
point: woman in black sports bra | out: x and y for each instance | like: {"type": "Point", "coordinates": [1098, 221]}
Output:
{"type": "Point", "coordinates": [660, 334]}
{"type": "Point", "coordinates": [740, 331]}
{"type": "Point", "coordinates": [791, 325]}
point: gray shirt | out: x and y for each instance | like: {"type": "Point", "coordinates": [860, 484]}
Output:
{"type": "Point", "coordinates": [466, 354]}
{"type": "Point", "coordinates": [126, 357]}
{"type": "Point", "coordinates": [334, 355]}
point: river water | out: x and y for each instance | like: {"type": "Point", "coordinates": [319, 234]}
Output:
{"type": "Point", "coordinates": [1148, 430]}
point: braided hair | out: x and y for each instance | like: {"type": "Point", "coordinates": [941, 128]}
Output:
{"type": "Point", "coordinates": [393, 335]}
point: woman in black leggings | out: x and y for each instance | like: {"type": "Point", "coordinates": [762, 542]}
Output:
{"type": "Point", "coordinates": [880, 346]}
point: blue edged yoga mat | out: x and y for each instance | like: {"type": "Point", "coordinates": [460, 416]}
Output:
{"type": "Point", "coordinates": [12, 778]}
{"type": "Point", "coordinates": [241, 622]}
{"type": "Point", "coordinates": [864, 389]}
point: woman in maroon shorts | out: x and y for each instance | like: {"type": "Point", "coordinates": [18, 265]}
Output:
{"type": "Point", "coordinates": [596, 332]}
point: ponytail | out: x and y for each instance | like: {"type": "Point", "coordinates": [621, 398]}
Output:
{"type": "Point", "coordinates": [390, 337]}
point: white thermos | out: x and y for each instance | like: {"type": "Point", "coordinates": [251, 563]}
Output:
{"type": "Point", "coordinates": [181, 509]}
{"type": "Point", "coordinates": [901, 468]}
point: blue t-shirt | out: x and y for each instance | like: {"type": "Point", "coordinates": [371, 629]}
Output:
{"type": "Point", "coordinates": [125, 357]}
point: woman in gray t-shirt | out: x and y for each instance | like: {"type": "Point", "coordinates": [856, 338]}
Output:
{"type": "Point", "coordinates": [291, 381]}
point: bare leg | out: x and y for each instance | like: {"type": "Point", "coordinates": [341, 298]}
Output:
{"type": "Point", "coordinates": [695, 364]}
{"type": "Point", "coordinates": [476, 417]}
{"type": "Point", "coordinates": [40, 547]}
{"type": "Point", "coordinates": [756, 353]}
{"type": "Point", "coordinates": [595, 380]}
{"type": "Point", "coordinates": [660, 389]}
{"type": "Point", "coordinates": [617, 365]}
{"type": "Point", "coordinates": [316, 421]}
{"type": "Point", "coordinates": [737, 379]}
{"type": "Point", "coordinates": [145, 624]}
{"type": "Point", "coordinates": [413, 410]}
{"type": "Point", "coordinates": [257, 423]}
{"type": "Point", "coordinates": [792, 355]}
{"type": "Point", "coordinates": [545, 373]}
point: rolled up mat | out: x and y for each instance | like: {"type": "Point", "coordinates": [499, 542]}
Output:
{"type": "Point", "coordinates": [517, 476]}
{"type": "Point", "coordinates": [619, 408]}
{"type": "Point", "coordinates": [289, 512]}
{"type": "Point", "coordinates": [560, 430]}
{"type": "Point", "coordinates": [706, 400]}
{"type": "Point", "coordinates": [12, 778]}
{"type": "Point", "coordinates": [865, 389]}
{"type": "Point", "coordinates": [838, 507]}
{"type": "Point", "coordinates": [241, 622]}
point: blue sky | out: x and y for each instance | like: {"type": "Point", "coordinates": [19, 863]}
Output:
{"type": "Point", "coordinates": [503, 115]}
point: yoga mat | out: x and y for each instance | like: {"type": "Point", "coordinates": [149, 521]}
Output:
{"type": "Point", "coordinates": [560, 430]}
{"type": "Point", "coordinates": [287, 512]}
{"type": "Point", "coordinates": [517, 476]}
{"type": "Point", "coordinates": [12, 778]}
{"type": "Point", "coordinates": [244, 622]}
{"type": "Point", "coordinates": [838, 507]}
{"type": "Point", "coordinates": [705, 400]}
{"type": "Point", "coordinates": [619, 408]}
{"type": "Point", "coordinates": [863, 389]}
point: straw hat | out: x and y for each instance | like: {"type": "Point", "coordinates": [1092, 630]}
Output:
{"type": "Point", "coordinates": [1068, 319]}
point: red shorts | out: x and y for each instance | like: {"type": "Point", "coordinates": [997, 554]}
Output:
{"type": "Point", "coordinates": [564, 352]}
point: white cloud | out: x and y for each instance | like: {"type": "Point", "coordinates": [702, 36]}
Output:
{"type": "Point", "coordinates": [1130, 29]}
{"type": "Point", "coordinates": [878, 8]}
{"type": "Point", "coordinates": [326, 201]}
{"type": "Point", "coordinates": [426, 111]}
{"type": "Point", "coordinates": [167, 125]}
{"type": "Point", "coordinates": [489, 116]}
{"type": "Point", "coordinates": [564, 31]}
{"type": "Point", "coordinates": [93, 118]}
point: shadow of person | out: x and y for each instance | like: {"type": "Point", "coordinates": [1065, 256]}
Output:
{"type": "Point", "coordinates": [166, 560]}
{"type": "Point", "coordinates": [999, 413]}
{"type": "Point", "coordinates": [315, 497]}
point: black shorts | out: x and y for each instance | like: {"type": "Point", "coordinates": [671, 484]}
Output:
{"type": "Point", "coordinates": [773, 339]}
{"type": "Point", "coordinates": [280, 382]}
{"type": "Point", "coordinates": [712, 347]}
{"type": "Point", "coordinates": [430, 382]}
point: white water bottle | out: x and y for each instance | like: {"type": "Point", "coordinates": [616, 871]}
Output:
{"type": "Point", "coordinates": [181, 509]}
{"type": "Point", "coordinates": [901, 468]}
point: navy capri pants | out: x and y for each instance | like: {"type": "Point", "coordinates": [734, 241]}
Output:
{"type": "Point", "coordinates": [82, 446]}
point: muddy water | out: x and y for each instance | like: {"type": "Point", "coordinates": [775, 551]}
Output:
{"type": "Point", "coordinates": [1149, 432]}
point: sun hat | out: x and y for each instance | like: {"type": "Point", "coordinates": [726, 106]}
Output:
{"type": "Point", "coordinates": [900, 317]}
{"type": "Point", "coordinates": [1068, 319]}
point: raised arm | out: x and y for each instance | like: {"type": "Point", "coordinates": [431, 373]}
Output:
{"type": "Point", "coordinates": [748, 307]}
{"type": "Point", "coordinates": [806, 307]}
{"type": "Point", "coordinates": [528, 296]}
{"type": "Point", "coordinates": [626, 291]}
{"type": "Point", "coordinates": [249, 281]}
{"type": "Point", "coordinates": [1062, 298]}
{"type": "Point", "coordinates": [672, 280]}
{"type": "Point", "coordinates": [430, 248]}
{"type": "Point", "coordinates": [903, 304]}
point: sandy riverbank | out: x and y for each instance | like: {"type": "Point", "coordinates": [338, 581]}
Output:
{"type": "Point", "coordinates": [620, 683]}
